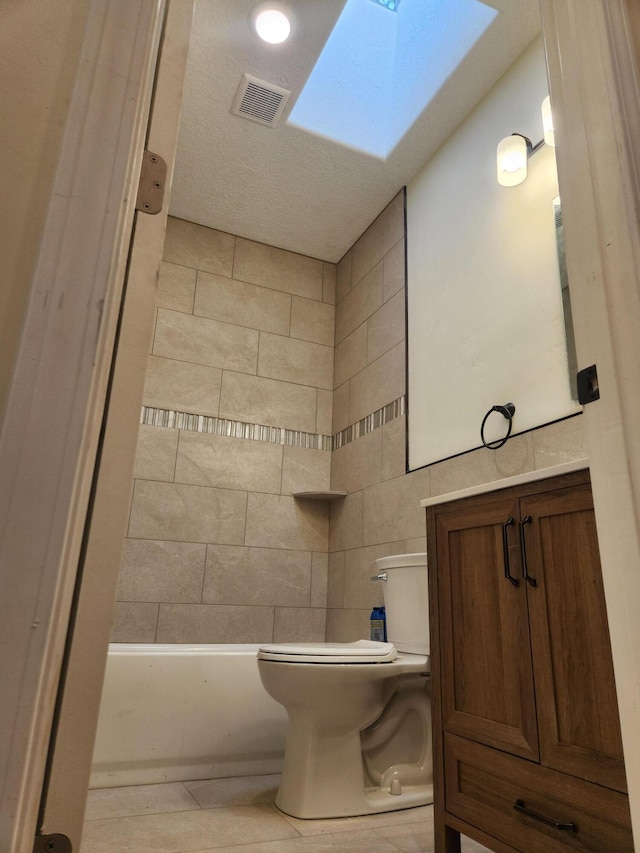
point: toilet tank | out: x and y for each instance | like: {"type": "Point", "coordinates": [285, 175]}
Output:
{"type": "Point", "coordinates": [406, 600]}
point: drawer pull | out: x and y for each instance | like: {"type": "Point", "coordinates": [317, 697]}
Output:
{"type": "Point", "coordinates": [519, 806]}
{"type": "Point", "coordinates": [505, 552]}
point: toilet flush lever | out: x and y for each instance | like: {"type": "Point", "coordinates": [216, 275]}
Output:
{"type": "Point", "coordinates": [381, 577]}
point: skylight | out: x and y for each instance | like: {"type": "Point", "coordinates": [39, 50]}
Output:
{"type": "Point", "coordinates": [377, 71]}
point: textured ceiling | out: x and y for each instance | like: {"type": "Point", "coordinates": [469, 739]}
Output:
{"type": "Point", "coordinates": [282, 185]}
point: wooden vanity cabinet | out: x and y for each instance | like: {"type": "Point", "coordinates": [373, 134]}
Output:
{"type": "Point", "coordinates": [527, 745]}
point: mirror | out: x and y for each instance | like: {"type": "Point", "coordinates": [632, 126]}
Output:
{"type": "Point", "coordinates": [488, 306]}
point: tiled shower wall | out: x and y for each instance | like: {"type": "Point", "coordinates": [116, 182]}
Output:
{"type": "Point", "coordinates": [244, 389]}
{"type": "Point", "coordinates": [381, 513]}
{"type": "Point", "coordinates": [238, 404]}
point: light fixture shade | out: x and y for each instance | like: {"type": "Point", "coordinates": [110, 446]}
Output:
{"type": "Point", "coordinates": [512, 160]}
{"type": "Point", "coordinates": [271, 22]}
{"type": "Point", "coordinates": [547, 122]}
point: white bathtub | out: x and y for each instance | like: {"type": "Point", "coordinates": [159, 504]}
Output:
{"type": "Point", "coordinates": [180, 712]}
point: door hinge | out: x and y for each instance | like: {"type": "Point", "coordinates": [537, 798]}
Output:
{"type": "Point", "coordinates": [153, 178]}
{"type": "Point", "coordinates": [52, 843]}
{"type": "Point", "coordinates": [588, 390]}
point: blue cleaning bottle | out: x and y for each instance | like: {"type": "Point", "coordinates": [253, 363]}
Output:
{"type": "Point", "coordinates": [378, 624]}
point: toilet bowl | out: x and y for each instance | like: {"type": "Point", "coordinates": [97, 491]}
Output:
{"type": "Point", "coordinates": [359, 739]}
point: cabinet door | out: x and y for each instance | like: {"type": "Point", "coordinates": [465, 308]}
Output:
{"type": "Point", "coordinates": [578, 722]}
{"type": "Point", "coordinates": [487, 680]}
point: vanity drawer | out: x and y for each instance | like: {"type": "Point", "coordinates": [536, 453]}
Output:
{"type": "Point", "coordinates": [483, 785]}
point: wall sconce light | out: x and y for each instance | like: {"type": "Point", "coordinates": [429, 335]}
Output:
{"type": "Point", "coordinates": [514, 151]}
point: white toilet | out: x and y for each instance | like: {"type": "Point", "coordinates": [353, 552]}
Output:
{"type": "Point", "coordinates": [359, 740]}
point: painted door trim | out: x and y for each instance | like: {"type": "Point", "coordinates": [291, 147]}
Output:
{"type": "Point", "coordinates": [593, 53]}
{"type": "Point", "coordinates": [54, 408]}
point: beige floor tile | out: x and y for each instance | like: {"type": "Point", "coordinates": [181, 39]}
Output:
{"type": "Point", "coordinates": [138, 800]}
{"type": "Point", "coordinates": [370, 822]}
{"type": "Point", "coordinates": [239, 791]}
{"type": "Point", "coordinates": [411, 838]}
{"type": "Point", "coordinates": [418, 838]}
{"type": "Point", "coordinates": [469, 846]}
{"type": "Point", "coordinates": [181, 832]}
{"type": "Point", "coordinates": [344, 842]}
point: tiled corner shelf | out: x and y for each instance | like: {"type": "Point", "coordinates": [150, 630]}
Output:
{"type": "Point", "coordinates": [328, 495]}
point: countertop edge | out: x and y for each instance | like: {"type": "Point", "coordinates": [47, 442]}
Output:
{"type": "Point", "coordinates": [517, 480]}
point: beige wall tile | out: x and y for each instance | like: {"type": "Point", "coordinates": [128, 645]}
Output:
{"type": "Point", "coordinates": [359, 590]}
{"type": "Point", "coordinates": [242, 304]}
{"type": "Point", "coordinates": [378, 384]}
{"type": "Point", "coordinates": [417, 545]}
{"type": "Point", "coordinates": [335, 579]}
{"type": "Point", "coordinates": [343, 276]}
{"type": "Point", "coordinates": [379, 238]}
{"type": "Point", "coordinates": [172, 511]}
{"type": "Point", "coordinates": [360, 303]}
{"type": "Point", "coordinates": [295, 361]}
{"type": "Point", "coordinates": [278, 269]}
{"type": "Point", "coordinates": [319, 579]}
{"type": "Point", "coordinates": [275, 521]}
{"type": "Point", "coordinates": [228, 463]}
{"type": "Point", "coordinates": [312, 321]}
{"type": "Point", "coordinates": [266, 401]}
{"type": "Point", "coordinates": [346, 523]}
{"type": "Point", "coordinates": [197, 246]}
{"type": "Point", "coordinates": [265, 576]}
{"type": "Point", "coordinates": [155, 453]}
{"type": "Point", "coordinates": [358, 464]}
{"type": "Point", "coordinates": [134, 622]}
{"type": "Point", "coordinates": [329, 283]}
{"type": "Point", "coordinates": [560, 442]}
{"type": "Point", "coordinates": [394, 449]}
{"type": "Point", "coordinates": [203, 341]}
{"type": "Point", "coordinates": [324, 412]}
{"type": "Point", "coordinates": [515, 457]}
{"type": "Point", "coordinates": [392, 509]}
{"type": "Point", "coordinates": [211, 623]}
{"type": "Point", "coordinates": [350, 355]}
{"type": "Point", "coordinates": [171, 384]}
{"type": "Point", "coordinates": [347, 626]}
{"type": "Point", "coordinates": [482, 466]}
{"type": "Point", "coordinates": [394, 270]}
{"type": "Point", "coordinates": [299, 625]}
{"type": "Point", "coordinates": [176, 287]}
{"type": "Point", "coordinates": [470, 469]}
{"type": "Point", "coordinates": [153, 570]}
{"type": "Point", "coordinates": [386, 327]}
{"type": "Point", "coordinates": [305, 470]}
{"type": "Point", "coordinates": [341, 407]}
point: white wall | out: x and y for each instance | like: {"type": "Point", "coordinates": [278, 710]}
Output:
{"type": "Point", "coordinates": [485, 321]}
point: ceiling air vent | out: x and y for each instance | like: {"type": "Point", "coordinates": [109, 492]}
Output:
{"type": "Point", "coordinates": [260, 101]}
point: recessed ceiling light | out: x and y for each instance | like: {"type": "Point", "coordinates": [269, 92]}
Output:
{"type": "Point", "coordinates": [271, 22]}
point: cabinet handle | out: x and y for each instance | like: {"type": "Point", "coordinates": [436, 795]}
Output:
{"type": "Point", "coordinates": [523, 548]}
{"type": "Point", "coordinates": [505, 552]}
{"type": "Point", "coordinates": [519, 806]}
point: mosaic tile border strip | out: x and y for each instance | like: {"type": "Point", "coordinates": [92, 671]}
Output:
{"type": "Point", "coordinates": [172, 419]}
{"type": "Point", "coordinates": [233, 429]}
{"type": "Point", "coordinates": [371, 422]}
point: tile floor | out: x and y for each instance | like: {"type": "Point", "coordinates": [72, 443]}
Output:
{"type": "Point", "coordinates": [239, 816]}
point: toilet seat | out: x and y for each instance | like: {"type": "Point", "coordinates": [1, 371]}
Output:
{"type": "Point", "coordinates": [362, 651]}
